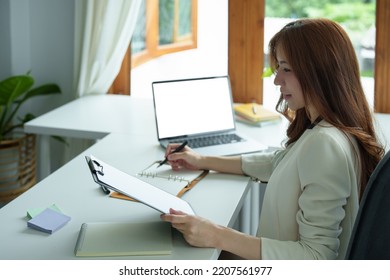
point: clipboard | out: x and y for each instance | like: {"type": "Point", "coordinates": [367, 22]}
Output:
{"type": "Point", "coordinates": [116, 180]}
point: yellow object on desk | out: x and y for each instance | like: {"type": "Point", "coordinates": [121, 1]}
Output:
{"type": "Point", "coordinates": [255, 113]}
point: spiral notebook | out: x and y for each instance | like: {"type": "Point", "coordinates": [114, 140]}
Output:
{"type": "Point", "coordinates": [166, 179]}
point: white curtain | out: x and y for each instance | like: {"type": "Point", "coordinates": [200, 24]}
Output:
{"type": "Point", "coordinates": [102, 36]}
{"type": "Point", "coordinates": [103, 29]}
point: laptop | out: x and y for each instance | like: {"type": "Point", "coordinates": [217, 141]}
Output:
{"type": "Point", "coordinates": [200, 111]}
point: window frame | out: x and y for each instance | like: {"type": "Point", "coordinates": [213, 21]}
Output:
{"type": "Point", "coordinates": [153, 49]}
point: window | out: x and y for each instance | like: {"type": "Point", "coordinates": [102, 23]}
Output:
{"type": "Point", "coordinates": [356, 16]}
{"type": "Point", "coordinates": [164, 26]}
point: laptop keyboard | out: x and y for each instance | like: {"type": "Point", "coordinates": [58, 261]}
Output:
{"type": "Point", "coordinates": [213, 140]}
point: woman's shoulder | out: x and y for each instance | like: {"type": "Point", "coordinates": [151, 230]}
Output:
{"type": "Point", "coordinates": [327, 138]}
{"type": "Point", "coordinates": [325, 132]}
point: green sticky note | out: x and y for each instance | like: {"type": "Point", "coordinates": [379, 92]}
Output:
{"type": "Point", "coordinates": [31, 213]}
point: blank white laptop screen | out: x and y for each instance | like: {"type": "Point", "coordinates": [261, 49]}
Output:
{"type": "Point", "coordinates": [199, 106]}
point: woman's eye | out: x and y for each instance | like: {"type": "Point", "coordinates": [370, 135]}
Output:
{"type": "Point", "coordinates": [286, 70]}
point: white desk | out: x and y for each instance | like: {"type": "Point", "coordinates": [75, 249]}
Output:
{"type": "Point", "coordinates": [73, 190]}
{"type": "Point", "coordinates": [129, 142]}
{"type": "Point", "coordinates": [93, 117]}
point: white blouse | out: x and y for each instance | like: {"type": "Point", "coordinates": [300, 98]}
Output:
{"type": "Point", "coordinates": [311, 199]}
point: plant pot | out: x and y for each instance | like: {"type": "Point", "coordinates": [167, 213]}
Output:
{"type": "Point", "coordinates": [17, 166]}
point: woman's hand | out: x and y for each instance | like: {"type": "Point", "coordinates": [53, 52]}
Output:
{"type": "Point", "coordinates": [186, 158]}
{"type": "Point", "coordinates": [200, 232]}
{"type": "Point", "coordinates": [197, 231]}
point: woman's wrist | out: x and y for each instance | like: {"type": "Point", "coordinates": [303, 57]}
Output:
{"type": "Point", "coordinates": [203, 163]}
{"type": "Point", "coordinates": [219, 237]}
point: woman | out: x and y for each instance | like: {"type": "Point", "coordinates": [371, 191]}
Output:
{"type": "Point", "coordinates": [315, 183]}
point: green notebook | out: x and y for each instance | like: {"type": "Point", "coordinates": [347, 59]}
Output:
{"type": "Point", "coordinates": [124, 239]}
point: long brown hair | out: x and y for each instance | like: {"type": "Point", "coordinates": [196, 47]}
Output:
{"type": "Point", "coordinates": [324, 62]}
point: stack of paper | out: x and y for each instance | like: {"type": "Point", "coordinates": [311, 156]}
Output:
{"type": "Point", "coordinates": [255, 114]}
{"type": "Point", "coordinates": [48, 220]}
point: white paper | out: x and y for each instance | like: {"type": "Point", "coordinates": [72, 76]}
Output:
{"type": "Point", "coordinates": [133, 187]}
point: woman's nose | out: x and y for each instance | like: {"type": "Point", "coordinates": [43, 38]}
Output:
{"type": "Point", "coordinates": [277, 79]}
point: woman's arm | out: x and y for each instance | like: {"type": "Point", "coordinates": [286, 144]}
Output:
{"type": "Point", "coordinates": [238, 243]}
{"type": "Point", "coordinates": [187, 158]}
{"type": "Point", "coordinates": [222, 164]}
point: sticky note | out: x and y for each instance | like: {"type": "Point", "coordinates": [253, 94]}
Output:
{"type": "Point", "coordinates": [48, 221]}
{"type": "Point", "coordinates": [31, 213]}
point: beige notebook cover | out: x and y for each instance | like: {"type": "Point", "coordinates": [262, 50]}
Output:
{"type": "Point", "coordinates": [124, 239]}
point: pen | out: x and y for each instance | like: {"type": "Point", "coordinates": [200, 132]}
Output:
{"type": "Point", "coordinates": [254, 109]}
{"type": "Point", "coordinates": [178, 149]}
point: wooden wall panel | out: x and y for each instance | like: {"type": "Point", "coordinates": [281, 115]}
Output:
{"type": "Point", "coordinates": [121, 84]}
{"type": "Point", "coordinates": [245, 49]}
{"type": "Point", "coordinates": [382, 57]}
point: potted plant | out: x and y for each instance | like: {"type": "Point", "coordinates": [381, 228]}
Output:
{"type": "Point", "coordinates": [17, 149]}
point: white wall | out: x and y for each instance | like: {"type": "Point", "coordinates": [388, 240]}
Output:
{"type": "Point", "coordinates": [5, 46]}
{"type": "Point", "coordinates": [37, 35]}
{"type": "Point", "coordinates": [48, 29]}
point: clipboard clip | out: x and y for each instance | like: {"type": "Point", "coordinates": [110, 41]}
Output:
{"type": "Point", "coordinates": [95, 166]}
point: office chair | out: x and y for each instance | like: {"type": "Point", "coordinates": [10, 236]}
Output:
{"type": "Point", "coordinates": [370, 238]}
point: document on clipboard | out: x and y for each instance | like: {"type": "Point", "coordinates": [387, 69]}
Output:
{"type": "Point", "coordinates": [121, 182]}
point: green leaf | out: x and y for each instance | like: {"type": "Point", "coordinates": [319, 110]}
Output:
{"type": "Point", "coordinates": [13, 87]}
{"type": "Point", "coordinates": [47, 89]}
{"type": "Point", "coordinates": [28, 117]}
{"type": "Point", "coordinates": [267, 72]}
{"type": "Point", "coordinates": [14, 91]}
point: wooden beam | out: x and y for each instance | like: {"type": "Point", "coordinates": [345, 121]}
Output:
{"type": "Point", "coordinates": [382, 57]}
{"type": "Point", "coordinates": [121, 84]}
{"type": "Point", "coordinates": [245, 49]}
